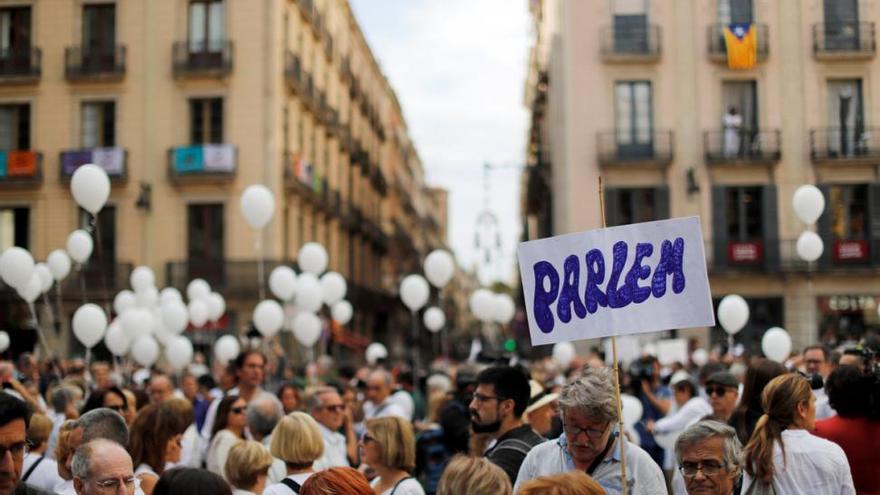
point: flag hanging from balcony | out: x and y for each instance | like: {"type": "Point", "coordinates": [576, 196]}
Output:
{"type": "Point", "coordinates": [741, 41]}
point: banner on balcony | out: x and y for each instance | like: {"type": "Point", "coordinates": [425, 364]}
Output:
{"type": "Point", "coordinates": [624, 280]}
{"type": "Point", "coordinates": [741, 41]}
{"type": "Point", "coordinates": [210, 158]}
{"type": "Point", "coordinates": [112, 160]}
{"type": "Point", "coordinates": [18, 164]}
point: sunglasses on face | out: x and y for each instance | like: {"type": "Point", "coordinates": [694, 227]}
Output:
{"type": "Point", "coordinates": [335, 407]}
{"type": "Point", "coordinates": [237, 410]}
{"type": "Point", "coordinates": [719, 391]}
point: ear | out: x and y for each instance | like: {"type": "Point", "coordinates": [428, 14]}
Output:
{"type": "Point", "coordinates": [78, 485]}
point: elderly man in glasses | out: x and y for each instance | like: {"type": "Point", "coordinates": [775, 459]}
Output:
{"type": "Point", "coordinates": [709, 459]}
{"type": "Point", "coordinates": [102, 466]}
{"type": "Point", "coordinates": [326, 406]}
{"type": "Point", "coordinates": [591, 443]}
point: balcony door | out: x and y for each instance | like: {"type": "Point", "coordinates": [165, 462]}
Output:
{"type": "Point", "coordinates": [846, 118]}
{"type": "Point", "coordinates": [15, 39]}
{"type": "Point", "coordinates": [99, 37]}
{"type": "Point", "coordinates": [100, 269]}
{"type": "Point", "coordinates": [735, 12]}
{"type": "Point", "coordinates": [15, 127]}
{"type": "Point", "coordinates": [739, 121]}
{"type": "Point", "coordinates": [634, 120]}
{"type": "Point", "coordinates": [206, 33]}
{"type": "Point", "coordinates": [630, 26]}
{"type": "Point", "coordinates": [205, 234]}
{"type": "Point", "coordinates": [14, 227]}
{"type": "Point", "coordinates": [841, 24]}
{"type": "Point", "coordinates": [98, 124]}
{"type": "Point", "coordinates": [745, 226]}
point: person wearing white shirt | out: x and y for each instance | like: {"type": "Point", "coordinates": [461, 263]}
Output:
{"type": "Point", "coordinates": [691, 407]}
{"type": "Point", "coordinates": [297, 441]}
{"type": "Point", "coordinates": [326, 406]}
{"type": "Point", "coordinates": [378, 394]}
{"type": "Point", "coordinates": [783, 454]}
{"type": "Point", "coordinates": [38, 470]}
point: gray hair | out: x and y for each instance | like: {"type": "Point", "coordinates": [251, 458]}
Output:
{"type": "Point", "coordinates": [592, 394]}
{"type": "Point", "coordinates": [704, 430]}
{"type": "Point", "coordinates": [383, 374]}
{"type": "Point", "coordinates": [313, 400]}
{"type": "Point", "coordinates": [61, 397]}
{"type": "Point", "coordinates": [263, 414]}
{"type": "Point", "coordinates": [103, 423]}
{"type": "Point", "coordinates": [82, 458]}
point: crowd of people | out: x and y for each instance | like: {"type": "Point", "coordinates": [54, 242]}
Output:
{"type": "Point", "coordinates": [734, 425]}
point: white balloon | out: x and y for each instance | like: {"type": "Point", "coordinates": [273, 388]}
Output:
{"type": "Point", "coordinates": [226, 348]}
{"type": "Point", "coordinates": [563, 354]}
{"type": "Point", "coordinates": [80, 245]}
{"type": "Point", "coordinates": [42, 270]}
{"type": "Point", "coordinates": [90, 187]}
{"type": "Point", "coordinates": [439, 268]}
{"type": "Point", "coordinates": [808, 203]}
{"type": "Point", "coordinates": [632, 409]}
{"type": "Point", "coordinates": [434, 319]}
{"type": "Point", "coordinates": [312, 258]}
{"type": "Point", "coordinates": [257, 205]}
{"type": "Point", "coordinates": [175, 316]}
{"type": "Point", "coordinates": [59, 263]}
{"type": "Point", "coordinates": [4, 341]}
{"type": "Point", "coordinates": [169, 294]}
{"type": "Point", "coordinates": [89, 324]}
{"type": "Point", "coordinates": [342, 312]}
{"type": "Point", "coordinates": [414, 291]}
{"type": "Point", "coordinates": [733, 313]}
{"type": "Point", "coordinates": [809, 246]}
{"type": "Point", "coordinates": [142, 278]}
{"type": "Point", "coordinates": [503, 308]}
{"type": "Point", "coordinates": [282, 282]}
{"type": "Point", "coordinates": [145, 350]}
{"type": "Point", "coordinates": [31, 291]}
{"type": "Point", "coordinates": [776, 344]}
{"type": "Point", "coordinates": [308, 293]}
{"type": "Point", "coordinates": [482, 304]}
{"type": "Point", "coordinates": [116, 340]}
{"type": "Point", "coordinates": [198, 313]}
{"type": "Point", "coordinates": [307, 329]}
{"type": "Point", "coordinates": [216, 306]}
{"type": "Point", "coordinates": [197, 289]}
{"type": "Point", "coordinates": [147, 298]}
{"type": "Point", "coordinates": [124, 301]}
{"type": "Point", "coordinates": [137, 322]}
{"type": "Point", "coordinates": [700, 356]}
{"type": "Point", "coordinates": [16, 267]}
{"type": "Point", "coordinates": [268, 317]}
{"type": "Point", "coordinates": [179, 352]}
{"type": "Point", "coordinates": [375, 352]}
{"type": "Point", "coordinates": [333, 288]}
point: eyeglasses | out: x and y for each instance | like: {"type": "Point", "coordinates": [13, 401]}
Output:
{"type": "Point", "coordinates": [690, 469]}
{"type": "Point", "coordinates": [575, 431]}
{"type": "Point", "coordinates": [237, 410]}
{"type": "Point", "coordinates": [335, 407]}
{"type": "Point", "coordinates": [719, 391]}
{"type": "Point", "coordinates": [18, 450]}
{"type": "Point", "coordinates": [487, 398]}
{"type": "Point", "coordinates": [113, 485]}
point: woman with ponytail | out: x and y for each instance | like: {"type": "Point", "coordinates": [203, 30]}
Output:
{"type": "Point", "coordinates": [783, 457]}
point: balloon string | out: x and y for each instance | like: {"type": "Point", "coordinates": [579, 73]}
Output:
{"type": "Point", "coordinates": [82, 281]}
{"type": "Point", "coordinates": [261, 266]}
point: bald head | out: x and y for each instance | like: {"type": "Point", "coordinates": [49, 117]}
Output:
{"type": "Point", "coordinates": [101, 461]}
{"type": "Point", "coordinates": [378, 386]}
{"type": "Point", "coordinates": [160, 389]}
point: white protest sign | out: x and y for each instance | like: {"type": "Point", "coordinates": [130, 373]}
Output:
{"type": "Point", "coordinates": [624, 280]}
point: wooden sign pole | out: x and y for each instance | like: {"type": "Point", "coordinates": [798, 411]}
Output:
{"type": "Point", "coordinates": [621, 439]}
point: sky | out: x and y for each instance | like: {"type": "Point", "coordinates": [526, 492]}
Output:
{"type": "Point", "coordinates": [458, 68]}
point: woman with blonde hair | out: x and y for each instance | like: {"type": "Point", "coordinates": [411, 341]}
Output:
{"type": "Point", "coordinates": [38, 469]}
{"type": "Point", "coordinates": [298, 442]}
{"type": "Point", "coordinates": [155, 440]}
{"type": "Point", "coordinates": [782, 456]}
{"type": "Point", "coordinates": [389, 447]}
{"type": "Point", "coordinates": [568, 483]}
{"type": "Point", "coordinates": [474, 476]}
{"type": "Point", "coordinates": [247, 467]}
{"type": "Point", "coordinates": [63, 453]}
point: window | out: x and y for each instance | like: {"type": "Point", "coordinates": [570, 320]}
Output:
{"type": "Point", "coordinates": [98, 124]}
{"type": "Point", "coordinates": [630, 26]}
{"type": "Point", "coordinates": [734, 11]}
{"type": "Point", "coordinates": [634, 119]}
{"type": "Point", "coordinates": [841, 24]}
{"type": "Point", "coordinates": [15, 127]}
{"type": "Point", "coordinates": [205, 237]}
{"type": "Point", "coordinates": [14, 228]}
{"type": "Point", "coordinates": [846, 117]}
{"type": "Point", "coordinates": [101, 267]}
{"type": "Point", "coordinates": [206, 26]}
{"type": "Point", "coordinates": [846, 227]}
{"type": "Point", "coordinates": [15, 31]}
{"type": "Point", "coordinates": [744, 212]}
{"type": "Point", "coordinates": [739, 121]}
{"type": "Point", "coordinates": [634, 205]}
{"type": "Point", "coordinates": [206, 120]}
{"type": "Point", "coordinates": [99, 32]}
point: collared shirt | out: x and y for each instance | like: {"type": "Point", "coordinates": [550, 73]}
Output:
{"type": "Point", "coordinates": [335, 450]}
{"type": "Point", "coordinates": [811, 465]}
{"type": "Point", "coordinates": [643, 475]}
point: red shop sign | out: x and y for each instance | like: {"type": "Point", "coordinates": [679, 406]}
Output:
{"type": "Point", "coordinates": [744, 252]}
{"type": "Point", "coordinates": [845, 250]}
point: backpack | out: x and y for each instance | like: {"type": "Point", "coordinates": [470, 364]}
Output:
{"type": "Point", "coordinates": [431, 458]}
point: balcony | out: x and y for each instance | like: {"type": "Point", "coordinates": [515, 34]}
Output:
{"type": "Point", "coordinates": [202, 164]}
{"type": "Point", "coordinates": [718, 46]}
{"type": "Point", "coordinates": [20, 65]}
{"type": "Point", "coordinates": [21, 169]}
{"type": "Point", "coordinates": [845, 146]}
{"type": "Point", "coordinates": [202, 59]}
{"type": "Point", "coordinates": [294, 74]}
{"type": "Point", "coordinates": [345, 70]}
{"type": "Point", "coordinates": [844, 41]}
{"type": "Point", "coordinates": [756, 255]}
{"type": "Point", "coordinates": [239, 278]}
{"type": "Point", "coordinates": [102, 279]}
{"type": "Point", "coordinates": [742, 147]}
{"type": "Point", "coordinates": [300, 178]}
{"type": "Point", "coordinates": [637, 148]}
{"type": "Point", "coordinates": [113, 160]}
{"type": "Point", "coordinates": [761, 256]}
{"type": "Point", "coordinates": [94, 63]}
{"type": "Point", "coordinates": [328, 45]}
{"type": "Point", "coordinates": [638, 44]}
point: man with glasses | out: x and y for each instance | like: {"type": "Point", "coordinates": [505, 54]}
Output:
{"type": "Point", "coordinates": [14, 421]}
{"type": "Point", "coordinates": [103, 467]}
{"type": "Point", "coordinates": [590, 442]}
{"type": "Point", "coordinates": [499, 401]}
{"type": "Point", "coordinates": [723, 391]}
{"type": "Point", "coordinates": [326, 406]}
{"type": "Point", "coordinates": [709, 459]}
{"type": "Point", "coordinates": [379, 403]}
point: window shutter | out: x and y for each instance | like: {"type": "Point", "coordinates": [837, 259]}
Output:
{"type": "Point", "coordinates": [823, 226]}
{"type": "Point", "coordinates": [874, 215]}
{"type": "Point", "coordinates": [612, 206]}
{"type": "Point", "coordinates": [108, 123]}
{"type": "Point", "coordinates": [24, 127]}
{"type": "Point", "coordinates": [770, 226]}
{"type": "Point", "coordinates": [719, 226]}
{"type": "Point", "coordinates": [661, 203]}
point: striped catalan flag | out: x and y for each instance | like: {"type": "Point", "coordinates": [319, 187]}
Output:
{"type": "Point", "coordinates": [741, 41]}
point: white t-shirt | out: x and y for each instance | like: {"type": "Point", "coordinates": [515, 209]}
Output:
{"type": "Point", "coordinates": [335, 449]}
{"type": "Point", "coordinates": [282, 489]}
{"type": "Point", "coordinates": [219, 451]}
{"type": "Point", "coordinates": [408, 486]}
{"type": "Point", "coordinates": [44, 476]}
{"type": "Point", "coordinates": [403, 399]}
{"type": "Point", "coordinates": [383, 410]}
